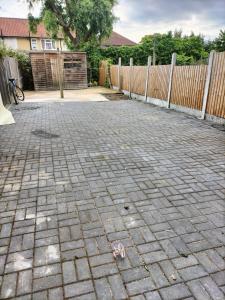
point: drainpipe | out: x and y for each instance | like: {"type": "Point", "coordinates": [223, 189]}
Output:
{"type": "Point", "coordinates": [2, 37]}
{"type": "Point", "coordinates": [30, 41]}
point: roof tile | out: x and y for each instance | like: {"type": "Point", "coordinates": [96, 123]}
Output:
{"type": "Point", "coordinates": [14, 27]}
{"type": "Point", "coordinates": [117, 40]}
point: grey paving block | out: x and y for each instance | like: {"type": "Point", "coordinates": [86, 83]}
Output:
{"type": "Point", "coordinates": [117, 171]}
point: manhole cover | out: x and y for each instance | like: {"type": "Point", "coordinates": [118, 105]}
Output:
{"type": "Point", "coordinates": [44, 134]}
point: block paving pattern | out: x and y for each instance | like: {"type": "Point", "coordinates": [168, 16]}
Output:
{"type": "Point", "coordinates": [74, 177]}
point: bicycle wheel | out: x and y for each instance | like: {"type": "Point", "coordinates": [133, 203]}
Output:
{"type": "Point", "coordinates": [13, 92]}
{"type": "Point", "coordinates": [19, 94]}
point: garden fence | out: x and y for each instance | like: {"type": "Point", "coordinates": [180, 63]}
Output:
{"type": "Point", "coordinates": [196, 89]}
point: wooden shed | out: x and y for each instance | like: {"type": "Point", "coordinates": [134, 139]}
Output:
{"type": "Point", "coordinates": [48, 66]}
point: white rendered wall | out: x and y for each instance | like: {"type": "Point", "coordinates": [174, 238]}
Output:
{"type": "Point", "coordinates": [11, 42]}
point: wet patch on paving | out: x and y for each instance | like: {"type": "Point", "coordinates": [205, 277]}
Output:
{"type": "Point", "coordinates": [44, 134]}
{"type": "Point", "coordinates": [21, 108]}
{"type": "Point", "coordinates": [115, 96]}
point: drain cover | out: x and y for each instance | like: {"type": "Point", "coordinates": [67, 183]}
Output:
{"type": "Point", "coordinates": [44, 134]}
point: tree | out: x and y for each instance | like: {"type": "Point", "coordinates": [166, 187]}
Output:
{"type": "Point", "coordinates": [219, 42]}
{"type": "Point", "coordinates": [194, 46]}
{"type": "Point", "coordinates": [162, 44]}
{"type": "Point", "coordinates": [80, 21]}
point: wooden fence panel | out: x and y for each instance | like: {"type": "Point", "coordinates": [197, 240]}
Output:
{"type": "Point", "coordinates": [138, 80]}
{"type": "Point", "coordinates": [159, 82]}
{"type": "Point", "coordinates": [103, 73]}
{"type": "Point", "coordinates": [188, 86]}
{"type": "Point", "coordinates": [114, 75]}
{"type": "Point", "coordinates": [125, 77]}
{"type": "Point", "coordinates": [216, 97]}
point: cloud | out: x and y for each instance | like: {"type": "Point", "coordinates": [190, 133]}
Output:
{"type": "Point", "coordinates": [141, 17]}
{"type": "Point", "coordinates": [16, 9]}
{"type": "Point", "coordinates": [171, 10]}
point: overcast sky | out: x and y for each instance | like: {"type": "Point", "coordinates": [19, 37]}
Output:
{"type": "Point", "coordinates": [141, 17]}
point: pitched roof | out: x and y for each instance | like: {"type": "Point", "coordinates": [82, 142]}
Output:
{"type": "Point", "coordinates": [117, 39]}
{"type": "Point", "coordinates": [14, 27]}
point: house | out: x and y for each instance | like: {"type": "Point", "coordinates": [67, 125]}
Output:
{"type": "Point", "coordinates": [117, 40]}
{"type": "Point", "coordinates": [14, 33]}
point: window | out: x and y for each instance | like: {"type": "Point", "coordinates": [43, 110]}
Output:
{"type": "Point", "coordinates": [48, 44]}
{"type": "Point", "coordinates": [33, 44]}
{"type": "Point", "coordinates": [71, 62]}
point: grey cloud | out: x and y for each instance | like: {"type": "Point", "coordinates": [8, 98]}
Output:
{"type": "Point", "coordinates": [143, 11]}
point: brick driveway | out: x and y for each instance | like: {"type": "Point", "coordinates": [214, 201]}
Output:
{"type": "Point", "coordinates": [75, 177]}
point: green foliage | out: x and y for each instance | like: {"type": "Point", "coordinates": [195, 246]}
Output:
{"type": "Point", "coordinates": [51, 24]}
{"type": "Point", "coordinates": [184, 59]}
{"type": "Point", "coordinates": [94, 57]}
{"type": "Point", "coordinates": [107, 84]}
{"type": "Point", "coordinates": [219, 43]}
{"type": "Point", "coordinates": [24, 65]}
{"type": "Point", "coordinates": [80, 22]}
{"type": "Point", "coordinates": [3, 51]}
{"type": "Point", "coordinates": [190, 49]}
{"type": "Point", "coordinates": [33, 23]}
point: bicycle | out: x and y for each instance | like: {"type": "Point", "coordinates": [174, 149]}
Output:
{"type": "Point", "coordinates": [17, 92]}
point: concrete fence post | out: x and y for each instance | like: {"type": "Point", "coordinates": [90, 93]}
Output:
{"type": "Point", "coordinates": [147, 77]}
{"type": "Point", "coordinates": [130, 77]}
{"type": "Point", "coordinates": [173, 63]}
{"type": "Point", "coordinates": [207, 84]}
{"type": "Point", "coordinates": [119, 74]}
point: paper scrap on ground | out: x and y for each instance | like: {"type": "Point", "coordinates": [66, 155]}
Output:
{"type": "Point", "coordinates": [6, 117]}
{"type": "Point", "coordinates": [118, 250]}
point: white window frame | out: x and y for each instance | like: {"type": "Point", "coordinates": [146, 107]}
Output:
{"type": "Point", "coordinates": [34, 44]}
{"type": "Point", "coordinates": [48, 44]}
